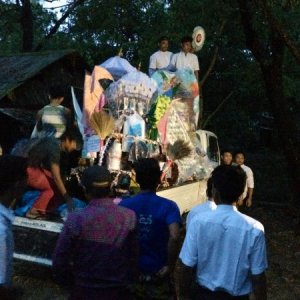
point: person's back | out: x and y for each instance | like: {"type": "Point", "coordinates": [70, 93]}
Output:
{"type": "Point", "coordinates": [102, 244]}
{"type": "Point", "coordinates": [208, 205]}
{"type": "Point", "coordinates": [153, 213]}
{"type": "Point", "coordinates": [230, 237]}
{"type": "Point", "coordinates": [158, 232]}
{"type": "Point", "coordinates": [43, 152]}
{"type": "Point", "coordinates": [56, 116]}
{"type": "Point", "coordinates": [97, 249]}
{"type": "Point", "coordinates": [227, 247]}
{"type": "Point", "coordinates": [53, 115]}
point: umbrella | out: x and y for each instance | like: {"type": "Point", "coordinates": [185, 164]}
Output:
{"type": "Point", "coordinates": [133, 91]}
{"type": "Point", "coordinates": [117, 66]}
{"type": "Point", "coordinates": [138, 85]}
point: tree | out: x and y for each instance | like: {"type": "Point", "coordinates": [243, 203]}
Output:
{"type": "Point", "coordinates": [268, 49]}
{"type": "Point", "coordinates": [26, 26]}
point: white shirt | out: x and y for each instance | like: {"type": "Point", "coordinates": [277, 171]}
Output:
{"type": "Point", "coordinates": [181, 60]}
{"type": "Point", "coordinates": [249, 180]}
{"type": "Point", "coordinates": [159, 60]}
{"type": "Point", "coordinates": [227, 247]}
{"type": "Point", "coordinates": [201, 208]}
{"type": "Point", "coordinates": [6, 245]}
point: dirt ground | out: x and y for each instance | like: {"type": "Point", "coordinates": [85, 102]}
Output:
{"type": "Point", "coordinates": [283, 244]}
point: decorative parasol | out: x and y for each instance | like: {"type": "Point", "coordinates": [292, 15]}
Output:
{"type": "Point", "coordinates": [117, 66]}
{"type": "Point", "coordinates": [133, 91]}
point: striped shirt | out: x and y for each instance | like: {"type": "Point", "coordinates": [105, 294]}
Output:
{"type": "Point", "coordinates": [55, 116]}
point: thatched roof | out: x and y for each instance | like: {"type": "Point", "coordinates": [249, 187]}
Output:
{"type": "Point", "coordinates": [15, 70]}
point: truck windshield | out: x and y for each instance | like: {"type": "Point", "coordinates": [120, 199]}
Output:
{"type": "Point", "coordinates": [213, 149]}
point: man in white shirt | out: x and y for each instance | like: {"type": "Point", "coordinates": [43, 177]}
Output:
{"type": "Point", "coordinates": [160, 60]}
{"type": "Point", "coordinates": [203, 207]}
{"type": "Point", "coordinates": [13, 183]}
{"type": "Point", "coordinates": [186, 59]}
{"type": "Point", "coordinates": [239, 158]}
{"type": "Point", "coordinates": [227, 247]}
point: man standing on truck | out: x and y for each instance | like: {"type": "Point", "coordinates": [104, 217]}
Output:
{"type": "Point", "coordinates": [158, 229]}
{"type": "Point", "coordinates": [186, 59]}
{"type": "Point", "coordinates": [13, 183]}
{"type": "Point", "coordinates": [239, 158]}
{"type": "Point", "coordinates": [97, 249]}
{"type": "Point", "coordinates": [227, 247]}
{"type": "Point", "coordinates": [160, 60]}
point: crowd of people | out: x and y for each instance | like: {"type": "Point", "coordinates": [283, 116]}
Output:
{"type": "Point", "coordinates": [132, 250]}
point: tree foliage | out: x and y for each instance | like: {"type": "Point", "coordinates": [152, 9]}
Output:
{"type": "Point", "coordinates": [250, 62]}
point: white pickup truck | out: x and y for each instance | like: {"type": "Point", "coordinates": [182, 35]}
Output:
{"type": "Point", "coordinates": [35, 239]}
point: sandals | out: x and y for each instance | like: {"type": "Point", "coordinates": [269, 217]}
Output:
{"type": "Point", "coordinates": [35, 215]}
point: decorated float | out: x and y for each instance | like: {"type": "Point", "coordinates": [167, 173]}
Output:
{"type": "Point", "coordinates": [125, 116]}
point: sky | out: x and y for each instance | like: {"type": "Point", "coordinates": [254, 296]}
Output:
{"type": "Point", "coordinates": [54, 4]}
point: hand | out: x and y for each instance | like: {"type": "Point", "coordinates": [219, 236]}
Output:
{"type": "Point", "coordinates": [163, 272]}
{"type": "Point", "coordinates": [69, 202]}
{"type": "Point", "coordinates": [249, 202]}
{"type": "Point", "coordinates": [240, 202]}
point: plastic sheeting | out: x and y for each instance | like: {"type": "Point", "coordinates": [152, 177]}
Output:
{"type": "Point", "coordinates": [117, 67]}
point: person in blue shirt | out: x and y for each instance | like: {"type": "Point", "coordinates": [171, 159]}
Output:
{"type": "Point", "coordinates": [159, 223]}
{"type": "Point", "coordinates": [13, 178]}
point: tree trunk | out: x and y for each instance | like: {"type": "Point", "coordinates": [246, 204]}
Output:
{"type": "Point", "coordinates": [27, 26]}
{"type": "Point", "coordinates": [59, 22]}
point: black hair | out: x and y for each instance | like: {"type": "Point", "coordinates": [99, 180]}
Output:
{"type": "Point", "coordinates": [186, 39]}
{"type": "Point", "coordinates": [209, 188]}
{"type": "Point", "coordinates": [97, 181]}
{"type": "Point", "coordinates": [226, 151]}
{"type": "Point", "coordinates": [147, 173]}
{"type": "Point", "coordinates": [73, 134]}
{"type": "Point", "coordinates": [12, 169]}
{"type": "Point", "coordinates": [239, 152]}
{"type": "Point", "coordinates": [163, 38]}
{"type": "Point", "coordinates": [229, 181]}
{"type": "Point", "coordinates": [57, 91]}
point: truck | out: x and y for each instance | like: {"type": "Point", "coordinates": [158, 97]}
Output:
{"type": "Point", "coordinates": [35, 239]}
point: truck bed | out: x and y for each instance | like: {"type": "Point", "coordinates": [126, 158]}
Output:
{"type": "Point", "coordinates": [35, 239]}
